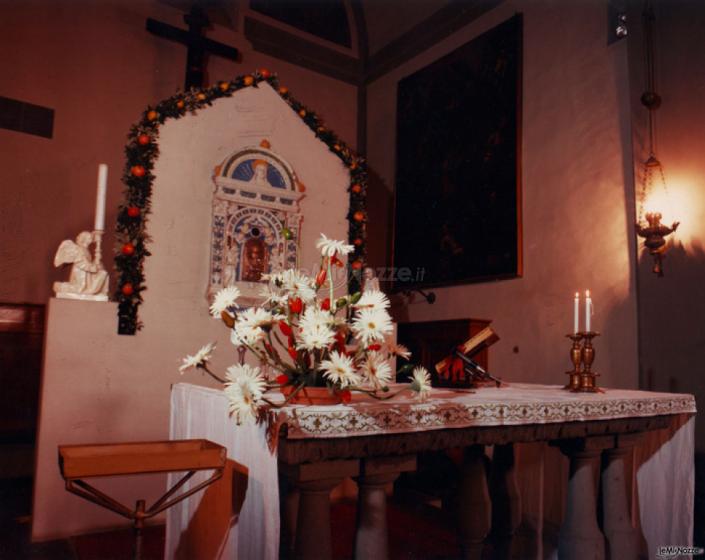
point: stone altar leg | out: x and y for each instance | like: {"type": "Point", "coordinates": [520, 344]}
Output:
{"type": "Point", "coordinates": [371, 537]}
{"type": "Point", "coordinates": [474, 510]}
{"type": "Point", "coordinates": [622, 538]}
{"type": "Point", "coordinates": [506, 501]}
{"type": "Point", "coordinates": [580, 537]}
{"type": "Point", "coordinates": [314, 482]}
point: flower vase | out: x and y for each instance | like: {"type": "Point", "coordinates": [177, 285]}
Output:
{"type": "Point", "coordinates": [312, 395]}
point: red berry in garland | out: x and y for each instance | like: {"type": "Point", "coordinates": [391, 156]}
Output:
{"type": "Point", "coordinates": [357, 242]}
{"type": "Point", "coordinates": [357, 265]}
{"type": "Point", "coordinates": [133, 212]}
{"type": "Point", "coordinates": [128, 249]}
{"type": "Point", "coordinates": [138, 171]}
{"type": "Point", "coordinates": [143, 139]}
{"type": "Point", "coordinates": [359, 216]}
{"type": "Point", "coordinates": [356, 188]}
{"type": "Point", "coordinates": [127, 289]}
{"type": "Point", "coordinates": [264, 72]}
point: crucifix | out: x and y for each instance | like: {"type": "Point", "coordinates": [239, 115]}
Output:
{"type": "Point", "coordinates": [198, 45]}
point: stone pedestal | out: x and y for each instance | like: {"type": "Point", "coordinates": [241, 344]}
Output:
{"type": "Point", "coordinates": [506, 500]}
{"type": "Point", "coordinates": [623, 540]}
{"type": "Point", "coordinates": [313, 482]}
{"type": "Point", "coordinates": [580, 537]}
{"type": "Point", "coordinates": [371, 536]}
{"type": "Point", "coordinates": [474, 515]}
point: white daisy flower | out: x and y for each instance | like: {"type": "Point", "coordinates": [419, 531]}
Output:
{"type": "Point", "coordinates": [296, 284]}
{"type": "Point", "coordinates": [377, 370]}
{"type": "Point", "coordinates": [421, 382]}
{"type": "Point", "coordinates": [249, 325]}
{"type": "Point", "coordinates": [244, 388]}
{"type": "Point", "coordinates": [199, 359]}
{"type": "Point", "coordinates": [331, 247]}
{"type": "Point", "coordinates": [398, 350]}
{"type": "Point", "coordinates": [372, 324]}
{"type": "Point", "coordinates": [373, 299]}
{"type": "Point", "coordinates": [315, 329]}
{"type": "Point", "coordinates": [223, 299]}
{"type": "Point", "coordinates": [340, 370]}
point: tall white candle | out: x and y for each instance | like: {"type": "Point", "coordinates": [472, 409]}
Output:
{"type": "Point", "coordinates": [576, 313]}
{"type": "Point", "coordinates": [588, 310]}
{"type": "Point", "coordinates": [100, 197]}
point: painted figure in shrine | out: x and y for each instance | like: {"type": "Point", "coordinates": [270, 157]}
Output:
{"type": "Point", "coordinates": [254, 262]}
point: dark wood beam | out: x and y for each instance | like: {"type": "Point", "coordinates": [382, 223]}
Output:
{"type": "Point", "coordinates": [444, 22]}
{"type": "Point", "coordinates": [363, 53]}
{"type": "Point", "coordinates": [26, 117]}
{"type": "Point", "coordinates": [285, 46]}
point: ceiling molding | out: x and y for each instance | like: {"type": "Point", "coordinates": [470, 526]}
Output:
{"type": "Point", "coordinates": [443, 23]}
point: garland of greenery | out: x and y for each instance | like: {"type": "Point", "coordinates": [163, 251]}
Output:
{"type": "Point", "coordinates": [142, 151]}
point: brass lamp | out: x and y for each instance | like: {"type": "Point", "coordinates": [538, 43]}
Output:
{"type": "Point", "coordinates": [651, 229]}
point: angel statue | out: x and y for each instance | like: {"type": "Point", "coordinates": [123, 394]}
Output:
{"type": "Point", "coordinates": [88, 279]}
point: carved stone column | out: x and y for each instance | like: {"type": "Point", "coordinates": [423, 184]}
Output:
{"type": "Point", "coordinates": [371, 536]}
{"type": "Point", "coordinates": [506, 500]}
{"type": "Point", "coordinates": [580, 537]}
{"type": "Point", "coordinates": [314, 482]}
{"type": "Point", "coordinates": [623, 542]}
{"type": "Point", "coordinates": [474, 510]}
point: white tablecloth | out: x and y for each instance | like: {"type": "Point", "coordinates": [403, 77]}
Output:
{"type": "Point", "coordinates": [665, 479]}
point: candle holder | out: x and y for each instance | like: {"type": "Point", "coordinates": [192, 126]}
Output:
{"type": "Point", "coordinates": [588, 378]}
{"type": "Point", "coordinates": [576, 356]}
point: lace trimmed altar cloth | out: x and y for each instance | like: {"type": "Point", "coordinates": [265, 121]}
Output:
{"type": "Point", "coordinates": [251, 528]}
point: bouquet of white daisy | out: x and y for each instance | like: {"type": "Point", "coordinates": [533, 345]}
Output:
{"type": "Point", "coordinates": [310, 338]}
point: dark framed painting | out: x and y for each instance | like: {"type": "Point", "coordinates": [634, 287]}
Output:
{"type": "Point", "coordinates": [458, 168]}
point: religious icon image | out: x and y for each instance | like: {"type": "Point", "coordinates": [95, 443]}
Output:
{"type": "Point", "coordinates": [256, 219]}
{"type": "Point", "coordinates": [88, 279]}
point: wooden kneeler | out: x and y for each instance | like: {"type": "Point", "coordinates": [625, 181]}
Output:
{"type": "Point", "coordinates": [77, 462]}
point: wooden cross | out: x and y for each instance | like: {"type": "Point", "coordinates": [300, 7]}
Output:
{"type": "Point", "coordinates": [198, 45]}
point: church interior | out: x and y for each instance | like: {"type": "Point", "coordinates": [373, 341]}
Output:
{"type": "Point", "coordinates": [527, 169]}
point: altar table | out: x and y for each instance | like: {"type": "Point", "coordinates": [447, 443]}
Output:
{"type": "Point", "coordinates": [372, 441]}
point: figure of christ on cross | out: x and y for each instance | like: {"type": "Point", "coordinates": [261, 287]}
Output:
{"type": "Point", "coordinates": [198, 45]}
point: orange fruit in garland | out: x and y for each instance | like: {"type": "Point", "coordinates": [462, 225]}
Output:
{"type": "Point", "coordinates": [138, 171]}
{"type": "Point", "coordinates": [248, 80]}
{"type": "Point", "coordinates": [180, 104]}
{"type": "Point", "coordinates": [283, 90]}
{"type": "Point", "coordinates": [302, 113]}
{"type": "Point", "coordinates": [128, 249]}
{"type": "Point", "coordinates": [357, 242]}
{"type": "Point", "coordinates": [152, 115]}
{"type": "Point", "coordinates": [201, 96]}
{"type": "Point", "coordinates": [265, 73]}
{"type": "Point", "coordinates": [224, 86]}
{"type": "Point", "coordinates": [357, 189]}
{"type": "Point", "coordinates": [359, 216]}
{"type": "Point", "coordinates": [143, 139]}
{"type": "Point", "coordinates": [127, 289]}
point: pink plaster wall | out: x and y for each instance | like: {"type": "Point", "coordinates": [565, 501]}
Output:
{"type": "Point", "coordinates": [577, 209]}
{"type": "Point", "coordinates": [672, 308]}
{"type": "Point", "coordinates": [97, 67]}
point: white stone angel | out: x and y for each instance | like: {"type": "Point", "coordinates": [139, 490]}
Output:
{"type": "Point", "coordinates": [88, 278]}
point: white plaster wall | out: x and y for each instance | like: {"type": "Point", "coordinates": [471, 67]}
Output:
{"type": "Point", "coordinates": [577, 211]}
{"type": "Point", "coordinates": [101, 387]}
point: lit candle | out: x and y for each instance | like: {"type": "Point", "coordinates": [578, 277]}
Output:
{"type": "Point", "coordinates": [588, 310]}
{"type": "Point", "coordinates": [576, 313]}
{"type": "Point", "coordinates": [100, 198]}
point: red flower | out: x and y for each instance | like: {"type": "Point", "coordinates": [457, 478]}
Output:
{"type": "Point", "coordinates": [282, 379]}
{"type": "Point", "coordinates": [325, 304]}
{"type": "Point", "coordinates": [374, 347]}
{"type": "Point", "coordinates": [296, 305]}
{"type": "Point", "coordinates": [285, 328]}
{"type": "Point", "coordinates": [345, 395]}
{"type": "Point", "coordinates": [292, 353]}
{"type": "Point", "coordinates": [321, 277]}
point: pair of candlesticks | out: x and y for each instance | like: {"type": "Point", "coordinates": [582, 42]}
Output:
{"type": "Point", "coordinates": [582, 353]}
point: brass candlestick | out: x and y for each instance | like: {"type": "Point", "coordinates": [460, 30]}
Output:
{"type": "Point", "coordinates": [588, 378]}
{"type": "Point", "coordinates": [576, 356]}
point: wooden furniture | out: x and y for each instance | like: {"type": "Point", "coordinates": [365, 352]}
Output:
{"type": "Point", "coordinates": [77, 462]}
{"type": "Point", "coordinates": [21, 339]}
